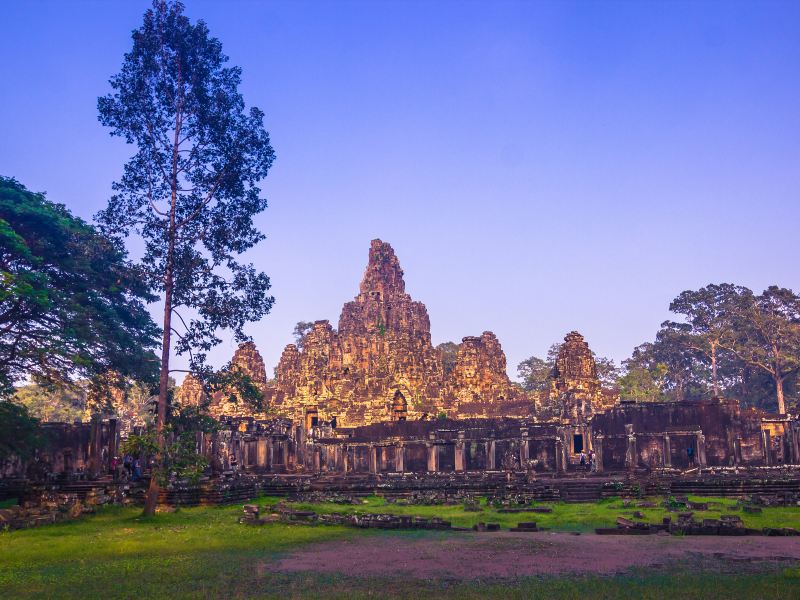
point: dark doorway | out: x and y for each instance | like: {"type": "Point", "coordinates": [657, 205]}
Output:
{"type": "Point", "coordinates": [577, 443]}
{"type": "Point", "coordinates": [312, 417]}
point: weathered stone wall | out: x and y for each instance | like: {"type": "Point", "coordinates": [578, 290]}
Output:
{"type": "Point", "coordinates": [80, 448]}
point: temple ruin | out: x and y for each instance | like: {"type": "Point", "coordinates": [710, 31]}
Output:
{"type": "Point", "coordinates": [371, 400]}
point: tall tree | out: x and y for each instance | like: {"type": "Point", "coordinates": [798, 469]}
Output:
{"type": "Point", "coordinates": [710, 314]}
{"type": "Point", "coordinates": [607, 371]}
{"type": "Point", "coordinates": [676, 369]}
{"type": "Point", "coordinates": [768, 337]}
{"type": "Point", "coordinates": [71, 306]}
{"type": "Point", "coordinates": [191, 189]}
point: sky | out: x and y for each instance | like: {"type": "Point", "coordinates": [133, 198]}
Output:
{"type": "Point", "coordinates": [538, 167]}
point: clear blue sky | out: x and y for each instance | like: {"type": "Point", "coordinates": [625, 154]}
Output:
{"type": "Point", "coordinates": [538, 167]}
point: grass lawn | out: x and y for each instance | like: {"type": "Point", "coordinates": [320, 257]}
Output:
{"type": "Point", "coordinates": [204, 552]}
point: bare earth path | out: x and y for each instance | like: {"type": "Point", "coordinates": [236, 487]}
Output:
{"type": "Point", "coordinates": [506, 554]}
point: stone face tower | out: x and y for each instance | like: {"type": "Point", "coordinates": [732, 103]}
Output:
{"type": "Point", "coordinates": [247, 359]}
{"type": "Point", "coordinates": [574, 385]}
{"type": "Point", "coordinates": [380, 365]}
{"type": "Point", "coordinates": [479, 385]}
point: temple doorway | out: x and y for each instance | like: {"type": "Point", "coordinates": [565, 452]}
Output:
{"type": "Point", "coordinates": [312, 417]}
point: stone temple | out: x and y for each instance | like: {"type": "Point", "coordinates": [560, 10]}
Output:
{"type": "Point", "coordinates": [379, 364]}
{"type": "Point", "coordinates": [369, 407]}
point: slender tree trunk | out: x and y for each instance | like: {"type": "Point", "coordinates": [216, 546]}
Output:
{"type": "Point", "coordinates": [779, 393]}
{"type": "Point", "coordinates": [714, 381]}
{"type": "Point", "coordinates": [163, 390]}
{"type": "Point", "coordinates": [151, 500]}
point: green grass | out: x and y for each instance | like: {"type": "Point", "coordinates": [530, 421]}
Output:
{"type": "Point", "coordinates": [204, 552]}
{"type": "Point", "coordinates": [8, 503]}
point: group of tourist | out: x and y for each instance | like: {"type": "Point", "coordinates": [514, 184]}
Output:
{"type": "Point", "coordinates": [130, 469]}
{"type": "Point", "coordinates": [588, 461]}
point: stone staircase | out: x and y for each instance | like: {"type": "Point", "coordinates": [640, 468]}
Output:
{"type": "Point", "coordinates": [84, 488]}
{"type": "Point", "coordinates": [580, 490]}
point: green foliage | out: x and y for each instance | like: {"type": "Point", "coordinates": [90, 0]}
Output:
{"type": "Point", "coordinates": [53, 403]}
{"type": "Point", "coordinates": [70, 303]}
{"type": "Point", "coordinates": [190, 190]}
{"type": "Point", "coordinates": [449, 354]}
{"type": "Point", "coordinates": [180, 457]}
{"type": "Point", "coordinates": [19, 431]}
{"type": "Point", "coordinates": [534, 373]}
{"type": "Point", "coordinates": [767, 335]}
{"type": "Point", "coordinates": [643, 384]}
{"type": "Point", "coordinates": [731, 342]}
{"type": "Point", "coordinates": [607, 370]}
{"type": "Point", "coordinates": [301, 330]}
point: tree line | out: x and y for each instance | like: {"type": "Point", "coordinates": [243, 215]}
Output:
{"type": "Point", "coordinates": [725, 340]}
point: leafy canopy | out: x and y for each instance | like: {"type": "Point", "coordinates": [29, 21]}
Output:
{"type": "Point", "coordinates": [70, 303]}
{"type": "Point", "coordinates": [190, 190]}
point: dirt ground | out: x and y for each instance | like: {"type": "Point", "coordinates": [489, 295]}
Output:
{"type": "Point", "coordinates": [506, 554]}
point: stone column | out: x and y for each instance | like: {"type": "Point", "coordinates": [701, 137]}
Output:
{"type": "Point", "coordinates": [560, 459]}
{"type": "Point", "coordinates": [271, 454]}
{"type": "Point", "coordinates": [215, 460]}
{"type": "Point", "coordinates": [261, 454]}
{"type": "Point", "coordinates": [598, 453]}
{"type": "Point", "coordinates": [701, 449]}
{"type": "Point", "coordinates": [731, 437]}
{"type": "Point", "coordinates": [490, 459]}
{"type": "Point", "coordinates": [316, 460]}
{"type": "Point", "coordinates": [461, 462]}
{"type": "Point", "coordinates": [433, 457]}
{"type": "Point", "coordinates": [667, 451]}
{"type": "Point", "coordinates": [373, 459]}
{"type": "Point", "coordinates": [95, 447]}
{"type": "Point", "coordinates": [631, 457]}
{"type": "Point", "coordinates": [524, 450]}
{"type": "Point", "coordinates": [345, 459]}
{"type": "Point", "coordinates": [241, 453]}
{"type": "Point", "coordinates": [337, 458]}
{"type": "Point", "coordinates": [400, 458]}
{"type": "Point", "coordinates": [286, 455]}
{"type": "Point", "coordinates": [767, 443]}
